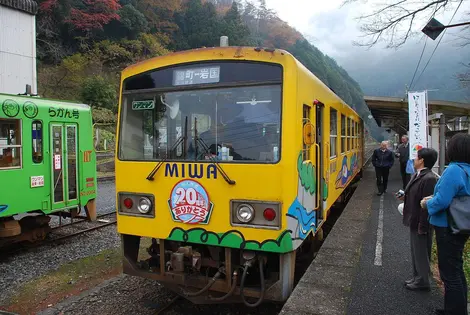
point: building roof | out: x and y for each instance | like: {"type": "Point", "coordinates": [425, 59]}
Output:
{"type": "Point", "coordinates": [392, 112]}
{"type": "Point", "coordinates": [28, 6]}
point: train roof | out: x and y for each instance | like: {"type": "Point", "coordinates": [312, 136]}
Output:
{"type": "Point", "coordinates": [239, 52]}
{"type": "Point", "coordinates": [329, 90]}
{"type": "Point", "coordinates": [45, 102]}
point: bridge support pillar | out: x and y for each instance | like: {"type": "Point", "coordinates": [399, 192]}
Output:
{"type": "Point", "coordinates": [435, 142]}
{"type": "Point", "coordinates": [442, 144]}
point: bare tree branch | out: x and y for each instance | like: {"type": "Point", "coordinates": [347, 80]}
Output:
{"type": "Point", "coordinates": [394, 20]}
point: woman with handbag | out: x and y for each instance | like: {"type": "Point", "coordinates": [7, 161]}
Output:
{"type": "Point", "coordinates": [449, 210]}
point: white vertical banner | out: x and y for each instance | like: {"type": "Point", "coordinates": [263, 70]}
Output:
{"type": "Point", "coordinates": [418, 115]}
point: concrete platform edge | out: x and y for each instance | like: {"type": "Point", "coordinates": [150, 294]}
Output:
{"type": "Point", "coordinates": [326, 285]}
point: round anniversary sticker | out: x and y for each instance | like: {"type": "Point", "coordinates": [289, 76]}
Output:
{"type": "Point", "coordinates": [190, 203]}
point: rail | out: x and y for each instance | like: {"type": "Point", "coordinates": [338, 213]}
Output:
{"type": "Point", "coordinates": [100, 223]}
{"type": "Point", "coordinates": [54, 237]}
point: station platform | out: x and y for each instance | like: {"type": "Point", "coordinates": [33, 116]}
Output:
{"type": "Point", "coordinates": [364, 261]}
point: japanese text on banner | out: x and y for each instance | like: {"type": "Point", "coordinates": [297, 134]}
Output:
{"type": "Point", "coordinates": [418, 115]}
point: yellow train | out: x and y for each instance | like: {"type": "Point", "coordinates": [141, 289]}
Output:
{"type": "Point", "coordinates": [228, 162]}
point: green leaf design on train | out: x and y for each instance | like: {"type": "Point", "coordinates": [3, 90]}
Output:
{"type": "Point", "coordinates": [306, 174]}
{"type": "Point", "coordinates": [233, 239]}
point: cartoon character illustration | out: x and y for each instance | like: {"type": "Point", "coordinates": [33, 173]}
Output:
{"type": "Point", "coordinates": [301, 216]}
{"type": "Point", "coordinates": [354, 164]}
{"type": "Point", "coordinates": [345, 174]}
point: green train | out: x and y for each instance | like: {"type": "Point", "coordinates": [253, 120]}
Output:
{"type": "Point", "coordinates": [47, 165]}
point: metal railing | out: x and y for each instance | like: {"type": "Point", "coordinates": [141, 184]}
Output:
{"type": "Point", "coordinates": [104, 138]}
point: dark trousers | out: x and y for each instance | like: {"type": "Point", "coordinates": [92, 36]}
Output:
{"type": "Point", "coordinates": [404, 176]}
{"type": "Point", "coordinates": [421, 246]}
{"type": "Point", "coordinates": [449, 252]}
{"type": "Point", "coordinates": [381, 173]}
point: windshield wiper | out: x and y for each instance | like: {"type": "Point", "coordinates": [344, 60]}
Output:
{"type": "Point", "coordinates": [208, 152]}
{"type": "Point", "coordinates": [181, 139]}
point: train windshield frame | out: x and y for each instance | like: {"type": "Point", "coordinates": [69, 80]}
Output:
{"type": "Point", "coordinates": [228, 111]}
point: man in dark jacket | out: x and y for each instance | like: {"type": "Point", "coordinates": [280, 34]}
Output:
{"type": "Point", "coordinates": [416, 218]}
{"type": "Point", "coordinates": [382, 159]}
{"type": "Point", "coordinates": [403, 154]}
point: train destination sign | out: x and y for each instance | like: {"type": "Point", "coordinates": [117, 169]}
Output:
{"type": "Point", "coordinates": [138, 105]}
{"type": "Point", "coordinates": [191, 76]}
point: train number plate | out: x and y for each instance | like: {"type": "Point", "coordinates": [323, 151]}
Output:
{"type": "Point", "coordinates": [37, 181]}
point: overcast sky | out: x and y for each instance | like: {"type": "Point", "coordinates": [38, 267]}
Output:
{"type": "Point", "coordinates": [332, 28]}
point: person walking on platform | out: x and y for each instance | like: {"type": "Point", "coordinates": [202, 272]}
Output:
{"type": "Point", "coordinates": [382, 159]}
{"type": "Point", "coordinates": [454, 183]}
{"type": "Point", "coordinates": [420, 186]}
{"type": "Point", "coordinates": [403, 156]}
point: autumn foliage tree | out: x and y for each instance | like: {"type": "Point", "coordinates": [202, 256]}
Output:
{"type": "Point", "coordinates": [85, 15]}
{"type": "Point", "coordinates": [83, 45]}
{"type": "Point", "coordinates": [93, 14]}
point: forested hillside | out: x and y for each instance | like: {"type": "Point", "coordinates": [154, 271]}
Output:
{"type": "Point", "coordinates": [441, 76]}
{"type": "Point", "coordinates": [84, 44]}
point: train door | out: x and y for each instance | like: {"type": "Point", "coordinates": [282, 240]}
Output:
{"type": "Point", "coordinates": [319, 160]}
{"type": "Point", "coordinates": [312, 153]}
{"type": "Point", "coordinates": [64, 188]}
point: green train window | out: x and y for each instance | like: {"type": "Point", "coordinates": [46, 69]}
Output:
{"type": "Point", "coordinates": [10, 143]}
{"type": "Point", "coordinates": [37, 141]}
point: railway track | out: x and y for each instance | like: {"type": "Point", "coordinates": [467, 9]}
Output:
{"type": "Point", "coordinates": [102, 220]}
{"type": "Point", "coordinates": [62, 232]}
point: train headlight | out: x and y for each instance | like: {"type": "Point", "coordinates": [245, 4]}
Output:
{"type": "Point", "coordinates": [145, 205]}
{"type": "Point", "coordinates": [245, 213]}
{"type": "Point", "coordinates": [258, 214]}
{"type": "Point", "coordinates": [136, 204]}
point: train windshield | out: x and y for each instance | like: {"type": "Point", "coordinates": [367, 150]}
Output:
{"type": "Point", "coordinates": [233, 124]}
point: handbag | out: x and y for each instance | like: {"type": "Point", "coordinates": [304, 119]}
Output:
{"type": "Point", "coordinates": [410, 168]}
{"type": "Point", "coordinates": [459, 213]}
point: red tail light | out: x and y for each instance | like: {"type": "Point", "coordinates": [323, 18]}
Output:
{"type": "Point", "coordinates": [269, 214]}
{"type": "Point", "coordinates": [128, 203]}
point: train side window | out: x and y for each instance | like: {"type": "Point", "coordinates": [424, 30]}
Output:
{"type": "Point", "coordinates": [37, 141]}
{"type": "Point", "coordinates": [10, 143]}
{"type": "Point", "coordinates": [306, 119]}
{"type": "Point", "coordinates": [359, 135]}
{"type": "Point", "coordinates": [343, 134]}
{"type": "Point", "coordinates": [353, 135]}
{"type": "Point", "coordinates": [356, 136]}
{"type": "Point", "coordinates": [349, 134]}
{"type": "Point", "coordinates": [333, 132]}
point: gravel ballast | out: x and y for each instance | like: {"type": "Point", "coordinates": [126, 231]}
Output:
{"type": "Point", "coordinates": [32, 263]}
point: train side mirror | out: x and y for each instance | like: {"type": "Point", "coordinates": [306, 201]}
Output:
{"type": "Point", "coordinates": [309, 134]}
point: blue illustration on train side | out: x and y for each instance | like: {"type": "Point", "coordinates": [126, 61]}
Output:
{"type": "Point", "coordinates": [345, 174]}
{"type": "Point", "coordinates": [306, 219]}
{"type": "Point", "coordinates": [301, 216]}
